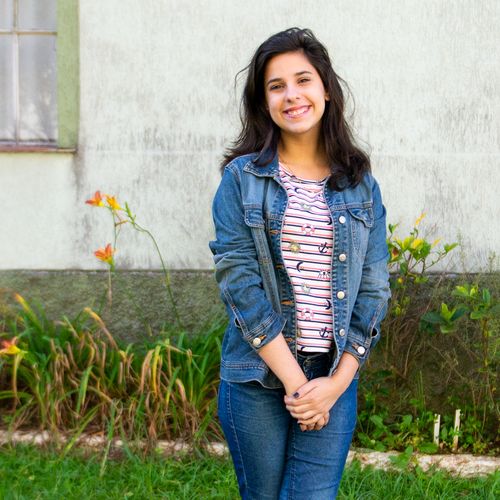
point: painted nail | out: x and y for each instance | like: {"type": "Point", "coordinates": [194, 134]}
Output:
{"type": "Point", "coordinates": [296, 394]}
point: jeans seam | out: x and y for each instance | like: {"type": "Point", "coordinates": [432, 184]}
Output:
{"type": "Point", "coordinates": [230, 413]}
{"type": "Point", "coordinates": [291, 493]}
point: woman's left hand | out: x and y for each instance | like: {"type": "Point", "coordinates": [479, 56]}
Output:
{"type": "Point", "coordinates": [315, 398]}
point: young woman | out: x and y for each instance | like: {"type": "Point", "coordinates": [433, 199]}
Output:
{"type": "Point", "coordinates": [301, 262]}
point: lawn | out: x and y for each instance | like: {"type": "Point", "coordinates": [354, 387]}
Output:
{"type": "Point", "coordinates": [31, 473]}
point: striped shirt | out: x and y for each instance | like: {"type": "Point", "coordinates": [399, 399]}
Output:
{"type": "Point", "coordinates": [307, 244]}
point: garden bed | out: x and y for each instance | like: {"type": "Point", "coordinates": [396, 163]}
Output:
{"type": "Point", "coordinates": [463, 465]}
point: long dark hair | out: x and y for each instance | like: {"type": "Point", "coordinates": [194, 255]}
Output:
{"type": "Point", "coordinates": [260, 134]}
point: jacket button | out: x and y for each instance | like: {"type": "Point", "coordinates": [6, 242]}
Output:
{"type": "Point", "coordinates": [340, 295]}
{"type": "Point", "coordinates": [341, 332]}
{"type": "Point", "coordinates": [256, 341]}
{"type": "Point", "coordinates": [361, 350]}
{"type": "Point", "coordinates": [342, 257]}
{"type": "Point", "coordinates": [342, 219]}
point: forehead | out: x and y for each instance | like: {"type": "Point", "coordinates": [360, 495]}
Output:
{"type": "Point", "coordinates": [287, 64]}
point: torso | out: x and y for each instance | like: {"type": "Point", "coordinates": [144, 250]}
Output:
{"type": "Point", "coordinates": [307, 244]}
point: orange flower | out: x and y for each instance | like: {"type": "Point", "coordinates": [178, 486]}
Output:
{"type": "Point", "coordinates": [105, 254]}
{"type": "Point", "coordinates": [96, 201]}
{"type": "Point", "coordinates": [9, 347]}
{"type": "Point", "coordinates": [113, 203]}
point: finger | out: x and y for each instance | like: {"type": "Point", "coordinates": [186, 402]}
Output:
{"type": "Point", "coordinates": [312, 420]}
{"type": "Point", "coordinates": [320, 424]}
{"type": "Point", "coordinates": [304, 390]}
{"type": "Point", "coordinates": [290, 400]}
{"type": "Point", "coordinates": [300, 408]}
{"type": "Point", "coordinates": [307, 415]}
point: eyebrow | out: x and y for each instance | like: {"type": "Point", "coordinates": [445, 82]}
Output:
{"type": "Point", "coordinates": [296, 74]}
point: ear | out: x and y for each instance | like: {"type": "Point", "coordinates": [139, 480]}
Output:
{"type": "Point", "coordinates": [327, 96]}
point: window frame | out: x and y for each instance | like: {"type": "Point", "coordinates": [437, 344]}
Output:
{"type": "Point", "coordinates": [67, 85]}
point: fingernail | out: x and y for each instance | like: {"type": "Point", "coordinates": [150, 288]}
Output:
{"type": "Point", "coordinates": [295, 394]}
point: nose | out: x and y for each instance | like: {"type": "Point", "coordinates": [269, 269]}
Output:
{"type": "Point", "coordinates": [292, 93]}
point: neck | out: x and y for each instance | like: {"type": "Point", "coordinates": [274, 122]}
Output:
{"type": "Point", "coordinates": [305, 157]}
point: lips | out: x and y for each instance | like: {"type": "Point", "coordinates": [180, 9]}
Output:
{"type": "Point", "coordinates": [296, 111]}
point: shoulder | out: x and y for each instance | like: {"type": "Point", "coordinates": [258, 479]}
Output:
{"type": "Point", "coordinates": [368, 183]}
{"type": "Point", "coordinates": [237, 165]}
{"type": "Point", "coordinates": [366, 192]}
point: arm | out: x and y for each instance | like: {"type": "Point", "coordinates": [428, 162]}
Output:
{"type": "Point", "coordinates": [374, 292]}
{"type": "Point", "coordinates": [317, 397]}
{"type": "Point", "coordinates": [240, 282]}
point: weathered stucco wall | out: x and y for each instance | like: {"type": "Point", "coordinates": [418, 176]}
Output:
{"type": "Point", "coordinates": [158, 106]}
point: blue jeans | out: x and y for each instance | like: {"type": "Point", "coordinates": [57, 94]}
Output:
{"type": "Point", "coordinates": [272, 457]}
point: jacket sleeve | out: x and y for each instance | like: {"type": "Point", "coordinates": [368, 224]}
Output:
{"type": "Point", "coordinates": [237, 267]}
{"type": "Point", "coordinates": [374, 292]}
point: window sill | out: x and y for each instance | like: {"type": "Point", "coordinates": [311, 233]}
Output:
{"type": "Point", "coordinates": [34, 149]}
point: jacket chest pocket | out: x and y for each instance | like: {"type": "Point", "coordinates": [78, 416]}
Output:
{"type": "Point", "coordinates": [254, 218]}
{"type": "Point", "coordinates": [361, 222]}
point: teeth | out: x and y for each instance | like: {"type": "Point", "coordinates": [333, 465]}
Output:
{"type": "Point", "coordinates": [297, 111]}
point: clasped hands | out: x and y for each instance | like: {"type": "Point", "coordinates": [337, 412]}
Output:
{"type": "Point", "coordinates": [310, 404]}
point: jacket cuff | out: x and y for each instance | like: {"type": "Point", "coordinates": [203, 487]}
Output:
{"type": "Point", "coordinates": [359, 345]}
{"type": "Point", "coordinates": [268, 330]}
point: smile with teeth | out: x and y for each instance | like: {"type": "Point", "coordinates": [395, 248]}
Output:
{"type": "Point", "coordinates": [297, 111]}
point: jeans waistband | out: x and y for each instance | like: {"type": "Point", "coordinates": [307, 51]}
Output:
{"type": "Point", "coordinates": [315, 364]}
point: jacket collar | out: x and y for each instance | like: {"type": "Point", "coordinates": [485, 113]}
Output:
{"type": "Point", "coordinates": [272, 170]}
{"type": "Point", "coordinates": [269, 170]}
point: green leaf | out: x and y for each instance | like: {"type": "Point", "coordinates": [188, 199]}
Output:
{"type": "Point", "coordinates": [445, 312]}
{"type": "Point", "coordinates": [421, 279]}
{"type": "Point", "coordinates": [461, 291]}
{"type": "Point", "coordinates": [427, 447]}
{"type": "Point", "coordinates": [447, 328]}
{"type": "Point", "coordinates": [83, 388]}
{"type": "Point", "coordinates": [377, 420]}
{"type": "Point", "coordinates": [478, 314]}
{"type": "Point", "coordinates": [432, 317]}
{"type": "Point", "coordinates": [406, 421]}
{"type": "Point", "coordinates": [449, 247]}
{"type": "Point", "coordinates": [495, 310]}
{"type": "Point", "coordinates": [459, 312]}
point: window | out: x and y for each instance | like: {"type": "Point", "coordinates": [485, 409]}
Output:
{"type": "Point", "coordinates": [38, 73]}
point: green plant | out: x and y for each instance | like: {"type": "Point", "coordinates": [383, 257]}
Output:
{"type": "Point", "coordinates": [124, 216]}
{"type": "Point", "coordinates": [72, 375]}
{"type": "Point", "coordinates": [475, 305]}
{"type": "Point", "coordinates": [410, 260]}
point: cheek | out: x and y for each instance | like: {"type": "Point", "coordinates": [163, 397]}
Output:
{"type": "Point", "coordinates": [273, 107]}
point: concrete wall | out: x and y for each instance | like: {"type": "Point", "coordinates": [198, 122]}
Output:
{"type": "Point", "coordinates": [158, 106]}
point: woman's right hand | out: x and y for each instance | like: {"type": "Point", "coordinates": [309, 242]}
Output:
{"type": "Point", "coordinates": [322, 422]}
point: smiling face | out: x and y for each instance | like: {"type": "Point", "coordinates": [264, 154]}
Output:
{"type": "Point", "coordinates": [295, 95]}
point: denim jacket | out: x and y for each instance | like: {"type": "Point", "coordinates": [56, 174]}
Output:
{"type": "Point", "coordinates": [248, 211]}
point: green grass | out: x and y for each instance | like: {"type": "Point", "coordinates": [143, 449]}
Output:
{"type": "Point", "coordinates": [30, 473]}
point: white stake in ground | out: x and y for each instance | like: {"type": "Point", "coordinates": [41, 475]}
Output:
{"type": "Point", "coordinates": [456, 428]}
{"type": "Point", "coordinates": [437, 424]}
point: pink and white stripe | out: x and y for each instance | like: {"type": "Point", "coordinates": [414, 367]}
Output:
{"type": "Point", "coordinates": [307, 244]}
